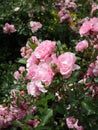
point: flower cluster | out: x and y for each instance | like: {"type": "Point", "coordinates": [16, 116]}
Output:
{"type": "Point", "coordinates": [89, 30]}
{"type": "Point", "coordinates": [92, 73]}
{"type": "Point", "coordinates": [39, 66]}
{"type": "Point", "coordinates": [17, 112]}
{"type": "Point", "coordinates": [64, 12]}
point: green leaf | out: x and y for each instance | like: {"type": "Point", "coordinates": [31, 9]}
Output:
{"type": "Point", "coordinates": [59, 45]}
{"type": "Point", "coordinates": [96, 79]}
{"type": "Point", "coordinates": [22, 61]}
{"type": "Point", "coordinates": [17, 123]}
{"type": "Point", "coordinates": [29, 116]}
{"type": "Point", "coordinates": [60, 109]}
{"type": "Point", "coordinates": [88, 106]}
{"type": "Point", "coordinates": [32, 45]}
{"type": "Point", "coordinates": [47, 115]}
{"type": "Point", "coordinates": [88, 80]}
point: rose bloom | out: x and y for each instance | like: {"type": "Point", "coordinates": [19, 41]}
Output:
{"type": "Point", "coordinates": [35, 87]}
{"type": "Point", "coordinates": [17, 75]}
{"type": "Point", "coordinates": [44, 74]}
{"type": "Point", "coordinates": [31, 60]}
{"type": "Point", "coordinates": [44, 49]}
{"type": "Point", "coordinates": [34, 122]}
{"type": "Point", "coordinates": [85, 28]}
{"type": "Point", "coordinates": [9, 28]}
{"type": "Point", "coordinates": [35, 26]}
{"type": "Point", "coordinates": [31, 71]}
{"type": "Point", "coordinates": [35, 40]}
{"type": "Point", "coordinates": [94, 8]}
{"type": "Point", "coordinates": [26, 51]}
{"type": "Point", "coordinates": [66, 63]}
{"type": "Point", "coordinates": [73, 123]}
{"type": "Point", "coordinates": [94, 23]}
{"type": "Point", "coordinates": [21, 69]}
{"type": "Point", "coordinates": [81, 46]}
{"type": "Point", "coordinates": [41, 72]}
{"type": "Point", "coordinates": [91, 25]}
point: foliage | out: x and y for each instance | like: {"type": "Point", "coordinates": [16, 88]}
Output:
{"type": "Point", "coordinates": [6, 79]}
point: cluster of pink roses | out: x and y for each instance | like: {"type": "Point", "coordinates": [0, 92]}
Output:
{"type": "Point", "coordinates": [16, 113]}
{"type": "Point", "coordinates": [92, 72]}
{"type": "Point", "coordinates": [40, 69]}
{"type": "Point", "coordinates": [27, 50]}
{"type": "Point", "coordinates": [89, 29]}
{"type": "Point", "coordinates": [64, 12]}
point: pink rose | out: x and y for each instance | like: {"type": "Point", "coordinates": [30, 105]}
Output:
{"type": "Point", "coordinates": [85, 28]}
{"type": "Point", "coordinates": [73, 123]}
{"type": "Point", "coordinates": [31, 60]}
{"type": "Point", "coordinates": [94, 23]}
{"type": "Point", "coordinates": [35, 87]}
{"type": "Point", "coordinates": [81, 46]}
{"type": "Point", "coordinates": [66, 63]}
{"type": "Point", "coordinates": [44, 49]}
{"type": "Point", "coordinates": [35, 40]}
{"type": "Point", "coordinates": [91, 25]}
{"type": "Point", "coordinates": [96, 46]}
{"type": "Point", "coordinates": [31, 71]}
{"type": "Point", "coordinates": [95, 70]}
{"type": "Point", "coordinates": [61, 13]}
{"type": "Point", "coordinates": [34, 122]}
{"type": "Point", "coordinates": [41, 72]}
{"type": "Point", "coordinates": [9, 28]}
{"type": "Point", "coordinates": [94, 8]}
{"type": "Point", "coordinates": [44, 74]}
{"type": "Point", "coordinates": [35, 26]}
{"type": "Point", "coordinates": [26, 51]}
{"type": "Point", "coordinates": [1, 122]}
{"type": "Point", "coordinates": [90, 70]}
{"type": "Point", "coordinates": [17, 75]}
{"type": "Point", "coordinates": [21, 69]}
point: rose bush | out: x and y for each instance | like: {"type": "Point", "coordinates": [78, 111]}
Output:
{"type": "Point", "coordinates": [56, 86]}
